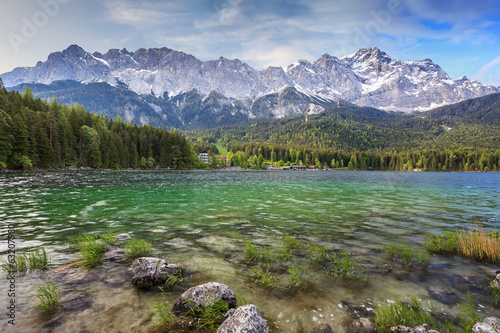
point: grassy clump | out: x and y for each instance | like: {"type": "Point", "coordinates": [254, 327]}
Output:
{"type": "Point", "coordinates": [473, 243]}
{"type": "Point", "coordinates": [407, 255]}
{"type": "Point", "coordinates": [91, 247]}
{"type": "Point", "coordinates": [49, 297]}
{"type": "Point", "coordinates": [211, 317]}
{"type": "Point", "coordinates": [27, 261]}
{"type": "Point", "coordinates": [469, 315]}
{"type": "Point", "coordinates": [251, 252]}
{"type": "Point", "coordinates": [409, 314]}
{"type": "Point", "coordinates": [345, 268]}
{"type": "Point", "coordinates": [291, 243]}
{"type": "Point", "coordinates": [174, 280]}
{"type": "Point", "coordinates": [91, 253]}
{"type": "Point", "coordinates": [319, 254]}
{"type": "Point", "coordinates": [164, 313]}
{"type": "Point", "coordinates": [136, 248]}
{"type": "Point", "coordinates": [495, 292]}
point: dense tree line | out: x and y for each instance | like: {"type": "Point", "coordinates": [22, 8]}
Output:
{"type": "Point", "coordinates": [257, 155]}
{"type": "Point", "coordinates": [38, 134]}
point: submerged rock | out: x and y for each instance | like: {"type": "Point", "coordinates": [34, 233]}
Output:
{"type": "Point", "coordinates": [148, 272]}
{"type": "Point", "coordinates": [489, 325]}
{"type": "Point", "coordinates": [323, 328]}
{"type": "Point", "coordinates": [244, 319]}
{"type": "Point", "coordinates": [358, 308]}
{"type": "Point", "coordinates": [495, 284]}
{"type": "Point", "coordinates": [442, 294]}
{"type": "Point", "coordinates": [204, 296]}
{"type": "Point", "coordinates": [361, 325]}
{"type": "Point", "coordinates": [417, 329]}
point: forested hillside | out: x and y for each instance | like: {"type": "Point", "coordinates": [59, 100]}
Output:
{"type": "Point", "coordinates": [37, 134]}
{"type": "Point", "coordinates": [464, 136]}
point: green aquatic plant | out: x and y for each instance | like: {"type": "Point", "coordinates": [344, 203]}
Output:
{"type": "Point", "coordinates": [174, 280]}
{"type": "Point", "coordinates": [136, 248]}
{"type": "Point", "coordinates": [264, 278]}
{"type": "Point", "coordinates": [474, 243]}
{"type": "Point", "coordinates": [164, 313]}
{"type": "Point", "coordinates": [409, 314]}
{"type": "Point", "coordinates": [407, 255]}
{"type": "Point", "coordinates": [91, 253]}
{"type": "Point", "coordinates": [25, 261]}
{"type": "Point", "coordinates": [291, 243]}
{"type": "Point", "coordinates": [344, 267]}
{"type": "Point", "coordinates": [251, 252]}
{"type": "Point", "coordinates": [209, 318]}
{"type": "Point", "coordinates": [468, 315]}
{"type": "Point", "coordinates": [49, 297]}
{"type": "Point", "coordinates": [319, 254]}
{"type": "Point", "coordinates": [283, 253]}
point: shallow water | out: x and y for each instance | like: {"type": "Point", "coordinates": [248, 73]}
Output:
{"type": "Point", "coordinates": [190, 216]}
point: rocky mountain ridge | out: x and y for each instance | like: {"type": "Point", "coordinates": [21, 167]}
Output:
{"type": "Point", "coordinates": [368, 77]}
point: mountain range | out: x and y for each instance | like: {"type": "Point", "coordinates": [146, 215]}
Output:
{"type": "Point", "coordinates": [172, 88]}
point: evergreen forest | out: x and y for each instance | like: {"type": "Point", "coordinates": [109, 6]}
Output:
{"type": "Point", "coordinates": [37, 134]}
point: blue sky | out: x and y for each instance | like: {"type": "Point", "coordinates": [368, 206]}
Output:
{"type": "Point", "coordinates": [463, 37]}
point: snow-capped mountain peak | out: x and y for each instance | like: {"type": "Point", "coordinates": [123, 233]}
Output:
{"type": "Point", "coordinates": [368, 77]}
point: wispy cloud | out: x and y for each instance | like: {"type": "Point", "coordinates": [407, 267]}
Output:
{"type": "Point", "coordinates": [489, 73]}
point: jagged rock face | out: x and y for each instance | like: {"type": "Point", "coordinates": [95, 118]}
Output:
{"type": "Point", "coordinates": [244, 319]}
{"type": "Point", "coordinates": [489, 325]}
{"type": "Point", "coordinates": [368, 77]}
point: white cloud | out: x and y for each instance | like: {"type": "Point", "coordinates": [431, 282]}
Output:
{"type": "Point", "coordinates": [489, 73]}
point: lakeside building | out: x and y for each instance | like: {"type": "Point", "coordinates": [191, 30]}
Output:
{"type": "Point", "coordinates": [203, 156]}
{"type": "Point", "coordinates": [298, 167]}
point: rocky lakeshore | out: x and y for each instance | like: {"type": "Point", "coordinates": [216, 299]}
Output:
{"type": "Point", "coordinates": [120, 293]}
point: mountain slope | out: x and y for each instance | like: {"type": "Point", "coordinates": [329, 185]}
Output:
{"type": "Point", "coordinates": [473, 124]}
{"type": "Point", "coordinates": [368, 77]}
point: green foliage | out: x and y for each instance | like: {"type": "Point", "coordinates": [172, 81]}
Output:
{"type": "Point", "coordinates": [91, 247]}
{"type": "Point", "coordinates": [445, 243]}
{"type": "Point", "coordinates": [49, 297]}
{"type": "Point", "coordinates": [409, 314]}
{"type": "Point", "coordinates": [291, 243]}
{"type": "Point", "coordinates": [408, 256]}
{"type": "Point", "coordinates": [344, 267]}
{"type": "Point", "coordinates": [211, 317]}
{"type": "Point", "coordinates": [251, 252]}
{"type": "Point", "coordinates": [38, 134]}
{"type": "Point", "coordinates": [495, 291]}
{"type": "Point", "coordinates": [91, 253]}
{"type": "Point", "coordinates": [136, 248]}
{"type": "Point", "coordinates": [319, 254]}
{"type": "Point", "coordinates": [27, 261]}
{"type": "Point", "coordinates": [468, 314]}
{"type": "Point", "coordinates": [166, 318]}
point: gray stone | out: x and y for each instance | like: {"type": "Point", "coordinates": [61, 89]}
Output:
{"type": "Point", "coordinates": [489, 325]}
{"type": "Point", "coordinates": [417, 329]}
{"type": "Point", "coordinates": [204, 296]}
{"type": "Point", "coordinates": [245, 319]}
{"type": "Point", "coordinates": [323, 328]}
{"type": "Point", "coordinates": [148, 272]}
{"type": "Point", "coordinates": [361, 325]}
{"type": "Point", "coordinates": [442, 294]}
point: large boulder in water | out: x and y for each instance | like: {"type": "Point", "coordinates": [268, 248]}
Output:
{"type": "Point", "coordinates": [148, 272]}
{"type": "Point", "coordinates": [244, 319]}
{"type": "Point", "coordinates": [204, 296]}
{"type": "Point", "coordinates": [322, 328]}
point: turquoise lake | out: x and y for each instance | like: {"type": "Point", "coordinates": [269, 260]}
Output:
{"type": "Point", "coordinates": [190, 216]}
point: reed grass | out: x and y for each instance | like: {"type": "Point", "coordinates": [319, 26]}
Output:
{"type": "Point", "coordinates": [136, 248]}
{"type": "Point", "coordinates": [319, 254]}
{"type": "Point", "coordinates": [209, 318]}
{"type": "Point", "coordinates": [49, 297]}
{"type": "Point", "coordinates": [474, 243]}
